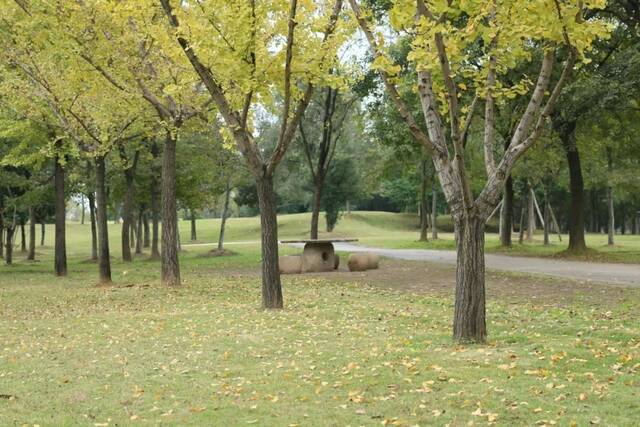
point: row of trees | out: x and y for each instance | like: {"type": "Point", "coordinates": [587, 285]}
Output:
{"type": "Point", "coordinates": [119, 89]}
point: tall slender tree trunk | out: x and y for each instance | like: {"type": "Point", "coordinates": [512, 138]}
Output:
{"type": "Point", "coordinates": [32, 234]}
{"type": "Point", "coordinates": [60, 261]}
{"type": "Point", "coordinates": [1, 233]}
{"type": "Point", "coordinates": [434, 210]}
{"type": "Point", "coordinates": [169, 251]}
{"type": "Point", "coordinates": [469, 324]}
{"type": "Point", "coordinates": [42, 231]}
{"type": "Point", "coordinates": [317, 200]}
{"type": "Point", "coordinates": [139, 233]}
{"type": "Point", "coordinates": [424, 204]}
{"type": "Point", "coordinates": [104, 256]}
{"type": "Point", "coordinates": [94, 230]}
{"type": "Point", "coordinates": [577, 241]}
{"type": "Point", "coordinates": [23, 237]}
{"type": "Point", "coordinates": [225, 214]}
{"type": "Point", "coordinates": [155, 206]}
{"type": "Point", "coordinates": [506, 213]}
{"type": "Point", "coordinates": [611, 226]}
{"type": "Point", "coordinates": [194, 232]}
{"type": "Point", "coordinates": [146, 239]}
{"type": "Point", "coordinates": [8, 256]}
{"type": "Point", "coordinates": [127, 218]}
{"type": "Point", "coordinates": [271, 286]}
{"type": "Point", "coordinates": [521, 231]}
{"type": "Point", "coordinates": [82, 209]}
{"type": "Point", "coordinates": [531, 215]}
{"type": "Point", "coordinates": [547, 220]}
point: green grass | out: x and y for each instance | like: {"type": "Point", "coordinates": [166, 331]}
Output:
{"type": "Point", "coordinates": [339, 354]}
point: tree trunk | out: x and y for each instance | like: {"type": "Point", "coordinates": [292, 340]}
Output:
{"type": "Point", "coordinates": [104, 256]}
{"type": "Point", "coordinates": [1, 235]}
{"type": "Point", "coordinates": [139, 233]}
{"type": "Point", "coordinates": [82, 209]}
{"type": "Point", "coordinates": [127, 217]}
{"type": "Point", "coordinates": [315, 210]}
{"type": "Point", "coordinates": [424, 205]}
{"type": "Point", "coordinates": [60, 262]}
{"type": "Point", "coordinates": [8, 256]}
{"type": "Point", "coordinates": [506, 213]}
{"type": "Point", "coordinates": [611, 226]}
{"type": "Point", "coordinates": [531, 215]}
{"type": "Point", "coordinates": [546, 220]}
{"type": "Point", "coordinates": [521, 231]}
{"type": "Point", "coordinates": [469, 324]}
{"type": "Point", "coordinates": [225, 213]}
{"type": "Point", "coordinates": [94, 230]}
{"type": "Point", "coordinates": [194, 233]}
{"type": "Point", "coordinates": [434, 210]}
{"type": "Point", "coordinates": [146, 239]}
{"type": "Point", "coordinates": [23, 237]}
{"type": "Point", "coordinates": [155, 207]}
{"type": "Point", "coordinates": [32, 234]}
{"type": "Point", "coordinates": [170, 262]}
{"type": "Point", "coordinates": [577, 241]}
{"type": "Point", "coordinates": [271, 286]}
{"type": "Point", "coordinates": [42, 230]}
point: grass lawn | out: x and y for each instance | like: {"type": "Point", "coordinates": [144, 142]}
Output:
{"type": "Point", "coordinates": [342, 352]}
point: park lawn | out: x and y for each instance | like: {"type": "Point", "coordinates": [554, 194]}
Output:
{"type": "Point", "coordinates": [339, 354]}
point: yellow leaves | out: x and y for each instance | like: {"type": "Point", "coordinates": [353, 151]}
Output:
{"type": "Point", "coordinates": [384, 64]}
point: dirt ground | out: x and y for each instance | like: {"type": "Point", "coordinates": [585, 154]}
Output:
{"type": "Point", "coordinates": [428, 278]}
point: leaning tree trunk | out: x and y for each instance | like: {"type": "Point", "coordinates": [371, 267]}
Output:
{"type": "Point", "coordinates": [194, 233]}
{"type": "Point", "coordinates": [315, 210]}
{"type": "Point", "coordinates": [271, 286]}
{"type": "Point", "coordinates": [225, 213]}
{"type": "Point", "coordinates": [170, 263]}
{"type": "Point", "coordinates": [94, 230]}
{"type": "Point", "coordinates": [60, 262]}
{"type": "Point", "coordinates": [469, 324]}
{"type": "Point", "coordinates": [506, 213]}
{"type": "Point", "coordinates": [8, 256]}
{"type": "Point", "coordinates": [32, 234]}
{"type": "Point", "coordinates": [104, 256]}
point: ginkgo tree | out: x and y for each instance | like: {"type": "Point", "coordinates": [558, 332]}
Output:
{"type": "Point", "coordinates": [261, 55]}
{"type": "Point", "coordinates": [459, 51]}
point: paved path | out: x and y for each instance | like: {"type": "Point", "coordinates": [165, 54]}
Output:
{"type": "Point", "coordinates": [625, 274]}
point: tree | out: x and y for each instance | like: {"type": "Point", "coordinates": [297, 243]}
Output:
{"type": "Point", "coordinates": [230, 52]}
{"type": "Point", "coordinates": [494, 38]}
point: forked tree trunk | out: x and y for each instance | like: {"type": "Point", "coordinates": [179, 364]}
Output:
{"type": "Point", "coordinates": [94, 230]}
{"type": "Point", "coordinates": [104, 256]}
{"type": "Point", "coordinates": [194, 232]}
{"type": "Point", "coordinates": [506, 213]}
{"type": "Point", "coordinates": [271, 286]}
{"type": "Point", "coordinates": [469, 324]}
{"type": "Point", "coordinates": [32, 234]}
{"type": "Point", "coordinates": [434, 210]}
{"type": "Point", "coordinates": [225, 214]}
{"type": "Point", "coordinates": [315, 210]}
{"type": "Point", "coordinates": [8, 256]}
{"type": "Point", "coordinates": [169, 248]}
{"type": "Point", "coordinates": [60, 261]}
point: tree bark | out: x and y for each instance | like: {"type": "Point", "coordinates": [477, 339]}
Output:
{"type": "Point", "coordinates": [271, 286]}
{"type": "Point", "coordinates": [506, 213]}
{"type": "Point", "coordinates": [139, 233]}
{"type": "Point", "coordinates": [60, 261]}
{"type": "Point", "coordinates": [42, 231]}
{"type": "Point", "coordinates": [225, 213]}
{"type": "Point", "coordinates": [8, 256]}
{"type": "Point", "coordinates": [94, 230]}
{"type": "Point", "coordinates": [104, 255]}
{"type": "Point", "coordinates": [23, 237]}
{"type": "Point", "coordinates": [169, 248]}
{"type": "Point", "coordinates": [194, 233]}
{"type": "Point", "coordinates": [577, 241]}
{"type": "Point", "coordinates": [146, 239]}
{"type": "Point", "coordinates": [32, 234]}
{"type": "Point", "coordinates": [469, 323]}
{"type": "Point", "coordinates": [434, 210]}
